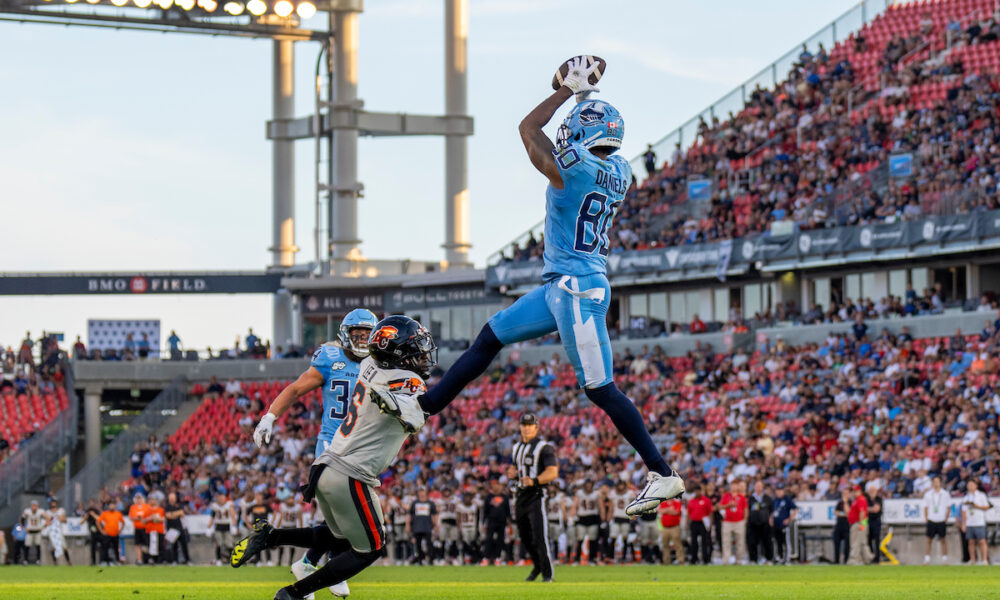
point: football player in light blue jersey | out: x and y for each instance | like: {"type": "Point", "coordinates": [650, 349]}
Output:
{"type": "Point", "coordinates": [587, 184]}
{"type": "Point", "coordinates": [334, 368]}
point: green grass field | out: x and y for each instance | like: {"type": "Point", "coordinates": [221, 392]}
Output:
{"type": "Point", "coordinates": [504, 583]}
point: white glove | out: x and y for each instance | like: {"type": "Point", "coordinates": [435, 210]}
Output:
{"type": "Point", "coordinates": [210, 531]}
{"type": "Point", "coordinates": [262, 435]}
{"type": "Point", "coordinates": [578, 77]}
{"type": "Point", "coordinates": [404, 407]}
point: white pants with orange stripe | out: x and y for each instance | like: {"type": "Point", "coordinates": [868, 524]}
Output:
{"type": "Point", "coordinates": [352, 510]}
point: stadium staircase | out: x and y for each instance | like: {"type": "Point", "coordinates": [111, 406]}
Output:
{"type": "Point", "coordinates": [169, 406]}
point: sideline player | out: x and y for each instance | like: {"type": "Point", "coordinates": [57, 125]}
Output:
{"type": "Point", "coordinates": [587, 184]}
{"type": "Point", "coordinates": [34, 522]}
{"type": "Point", "coordinates": [334, 368]}
{"type": "Point", "coordinates": [343, 478]}
{"type": "Point", "coordinates": [55, 519]}
{"type": "Point", "coordinates": [620, 536]}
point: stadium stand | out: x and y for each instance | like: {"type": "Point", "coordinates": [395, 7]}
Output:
{"type": "Point", "coordinates": [922, 77]}
{"type": "Point", "coordinates": [858, 408]}
{"type": "Point", "coordinates": [817, 418]}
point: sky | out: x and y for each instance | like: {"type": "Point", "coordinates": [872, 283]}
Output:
{"type": "Point", "coordinates": [143, 151]}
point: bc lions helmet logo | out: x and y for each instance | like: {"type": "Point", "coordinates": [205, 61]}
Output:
{"type": "Point", "coordinates": [381, 337]}
{"type": "Point", "coordinates": [591, 115]}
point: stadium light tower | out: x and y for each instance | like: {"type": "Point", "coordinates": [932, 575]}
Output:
{"type": "Point", "coordinates": [343, 121]}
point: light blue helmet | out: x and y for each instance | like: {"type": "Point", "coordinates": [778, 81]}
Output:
{"type": "Point", "coordinates": [592, 123]}
{"type": "Point", "coordinates": [359, 317]}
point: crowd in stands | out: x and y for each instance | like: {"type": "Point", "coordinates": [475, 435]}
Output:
{"type": "Point", "coordinates": [813, 150]}
{"type": "Point", "coordinates": [860, 410]}
{"type": "Point", "coordinates": [31, 389]}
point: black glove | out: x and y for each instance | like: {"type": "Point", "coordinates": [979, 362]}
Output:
{"type": "Point", "coordinates": [309, 490]}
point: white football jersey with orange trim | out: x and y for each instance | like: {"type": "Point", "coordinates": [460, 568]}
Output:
{"type": "Point", "coordinates": [368, 440]}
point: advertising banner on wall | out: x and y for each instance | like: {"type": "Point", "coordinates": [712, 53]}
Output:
{"type": "Point", "coordinates": [801, 246]}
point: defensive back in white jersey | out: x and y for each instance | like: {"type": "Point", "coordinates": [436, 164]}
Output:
{"type": "Point", "coordinates": [368, 439]}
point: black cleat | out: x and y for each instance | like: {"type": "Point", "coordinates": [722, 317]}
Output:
{"type": "Point", "coordinates": [547, 580]}
{"type": "Point", "coordinates": [533, 575]}
{"type": "Point", "coordinates": [285, 593]}
{"type": "Point", "coordinates": [252, 545]}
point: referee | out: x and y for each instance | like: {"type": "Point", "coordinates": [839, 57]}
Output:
{"type": "Point", "coordinates": [534, 467]}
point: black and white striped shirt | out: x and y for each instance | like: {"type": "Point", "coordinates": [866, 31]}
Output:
{"type": "Point", "coordinates": [531, 459]}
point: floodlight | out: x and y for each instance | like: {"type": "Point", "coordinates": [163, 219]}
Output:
{"type": "Point", "coordinates": [233, 8]}
{"type": "Point", "coordinates": [119, 2]}
{"type": "Point", "coordinates": [306, 10]}
{"type": "Point", "coordinates": [257, 7]}
{"type": "Point", "coordinates": [185, 4]}
{"type": "Point", "coordinates": [208, 5]}
{"type": "Point", "coordinates": [283, 8]}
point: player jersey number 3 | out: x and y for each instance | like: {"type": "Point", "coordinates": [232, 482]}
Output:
{"type": "Point", "coordinates": [593, 223]}
{"type": "Point", "coordinates": [341, 392]}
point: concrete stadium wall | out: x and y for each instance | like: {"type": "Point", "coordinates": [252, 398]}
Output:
{"type": "Point", "coordinates": [147, 374]}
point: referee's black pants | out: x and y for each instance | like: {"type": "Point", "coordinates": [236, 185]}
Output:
{"type": "Point", "coordinates": [532, 526]}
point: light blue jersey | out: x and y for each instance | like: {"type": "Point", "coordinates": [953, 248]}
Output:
{"type": "Point", "coordinates": [578, 217]}
{"type": "Point", "coordinates": [575, 297]}
{"type": "Point", "coordinates": [340, 373]}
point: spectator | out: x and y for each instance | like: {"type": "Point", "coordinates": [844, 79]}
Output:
{"type": "Point", "coordinates": [19, 534]}
{"type": "Point", "coordinates": [234, 387]}
{"type": "Point", "coordinates": [129, 347]}
{"type": "Point", "coordinates": [95, 540]}
{"type": "Point", "coordinates": [252, 340]}
{"type": "Point", "coordinates": [937, 506]}
{"type": "Point", "coordinates": [79, 350]}
{"type": "Point", "coordinates": [25, 354]}
{"type": "Point", "coordinates": [152, 462]}
{"type": "Point", "coordinates": [143, 347]}
{"type": "Point", "coordinates": [783, 513]}
{"type": "Point", "coordinates": [137, 513]}
{"type": "Point", "coordinates": [874, 499]}
{"type": "Point", "coordinates": [841, 528]}
{"type": "Point", "coordinates": [697, 325]}
{"type": "Point", "coordinates": [421, 526]}
{"type": "Point", "coordinates": [649, 160]}
{"type": "Point", "coordinates": [857, 517]}
{"type": "Point", "coordinates": [670, 532]}
{"type": "Point", "coordinates": [759, 524]}
{"type": "Point", "coordinates": [973, 523]}
{"type": "Point", "coordinates": [155, 528]}
{"type": "Point", "coordinates": [214, 387]}
{"type": "Point", "coordinates": [496, 518]}
{"type": "Point", "coordinates": [174, 343]}
{"type": "Point", "coordinates": [111, 522]}
{"type": "Point", "coordinates": [734, 524]}
{"type": "Point", "coordinates": [699, 509]}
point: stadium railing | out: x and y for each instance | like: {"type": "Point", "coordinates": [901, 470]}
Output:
{"type": "Point", "coordinates": [36, 455]}
{"type": "Point", "coordinates": [95, 475]}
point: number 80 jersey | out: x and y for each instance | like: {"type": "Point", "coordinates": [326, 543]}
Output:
{"type": "Point", "coordinates": [340, 374]}
{"type": "Point", "coordinates": [578, 217]}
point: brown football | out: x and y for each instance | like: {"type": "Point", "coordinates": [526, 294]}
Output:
{"type": "Point", "coordinates": [563, 70]}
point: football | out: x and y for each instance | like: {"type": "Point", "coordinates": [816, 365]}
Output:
{"type": "Point", "coordinates": [563, 70]}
